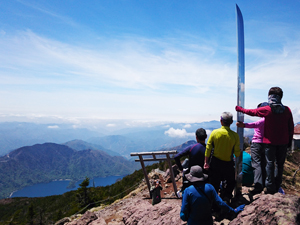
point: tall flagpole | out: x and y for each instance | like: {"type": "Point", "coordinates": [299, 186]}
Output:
{"type": "Point", "coordinates": [240, 96]}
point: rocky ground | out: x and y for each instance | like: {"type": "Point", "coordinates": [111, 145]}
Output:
{"type": "Point", "coordinates": [136, 208]}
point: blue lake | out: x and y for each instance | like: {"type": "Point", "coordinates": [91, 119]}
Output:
{"type": "Point", "coordinates": [60, 187]}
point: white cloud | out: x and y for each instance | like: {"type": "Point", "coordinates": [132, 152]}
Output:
{"type": "Point", "coordinates": [208, 132]}
{"type": "Point", "coordinates": [296, 115]}
{"type": "Point", "coordinates": [111, 125]}
{"type": "Point", "coordinates": [136, 78]}
{"type": "Point", "coordinates": [181, 133]}
{"type": "Point", "coordinates": [53, 127]}
{"type": "Point", "coordinates": [74, 126]}
{"type": "Point", "coordinates": [122, 65]}
{"type": "Point", "coordinates": [187, 126]}
{"type": "Point", "coordinates": [46, 11]}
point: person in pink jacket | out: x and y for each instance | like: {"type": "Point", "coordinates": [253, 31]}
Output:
{"type": "Point", "coordinates": [278, 136]}
{"type": "Point", "coordinates": [258, 161]}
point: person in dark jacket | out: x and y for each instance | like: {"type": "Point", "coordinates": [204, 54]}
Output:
{"type": "Point", "coordinates": [278, 136]}
{"type": "Point", "coordinates": [195, 155]}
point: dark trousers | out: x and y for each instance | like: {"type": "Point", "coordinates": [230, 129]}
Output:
{"type": "Point", "coordinates": [220, 170]}
{"type": "Point", "coordinates": [275, 154]}
{"type": "Point", "coordinates": [258, 162]}
{"type": "Point", "coordinates": [185, 182]}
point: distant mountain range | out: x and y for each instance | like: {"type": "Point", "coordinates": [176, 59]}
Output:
{"type": "Point", "coordinates": [143, 141]}
{"type": "Point", "coordinates": [15, 135]}
{"type": "Point", "coordinates": [122, 142]}
{"type": "Point", "coordinates": [46, 162]}
{"type": "Point", "coordinates": [72, 160]}
{"type": "Point", "coordinates": [81, 152]}
{"type": "Point", "coordinates": [181, 147]}
{"type": "Point", "coordinates": [80, 145]}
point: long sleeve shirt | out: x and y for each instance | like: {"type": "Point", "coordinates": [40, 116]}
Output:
{"type": "Point", "coordinates": [278, 129]}
{"type": "Point", "coordinates": [225, 143]}
{"type": "Point", "coordinates": [195, 153]}
{"type": "Point", "coordinates": [247, 169]}
{"type": "Point", "coordinates": [258, 130]}
{"type": "Point", "coordinates": [196, 206]}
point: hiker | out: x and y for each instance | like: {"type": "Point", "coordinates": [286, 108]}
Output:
{"type": "Point", "coordinates": [258, 160]}
{"type": "Point", "coordinates": [198, 198]}
{"type": "Point", "coordinates": [278, 136]}
{"type": "Point", "coordinates": [155, 192]}
{"type": "Point", "coordinates": [195, 153]}
{"type": "Point", "coordinates": [247, 169]}
{"type": "Point", "coordinates": [226, 143]}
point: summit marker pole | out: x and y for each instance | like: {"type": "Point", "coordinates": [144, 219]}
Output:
{"type": "Point", "coordinates": [240, 96]}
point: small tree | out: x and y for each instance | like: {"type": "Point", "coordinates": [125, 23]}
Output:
{"type": "Point", "coordinates": [59, 215]}
{"type": "Point", "coordinates": [82, 192]}
{"type": "Point", "coordinates": [30, 214]}
{"type": "Point", "coordinates": [41, 212]}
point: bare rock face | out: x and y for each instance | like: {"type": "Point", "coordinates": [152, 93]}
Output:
{"type": "Point", "coordinates": [167, 176]}
{"type": "Point", "coordinates": [146, 214]}
{"type": "Point", "coordinates": [136, 209]}
{"type": "Point", "coordinates": [99, 221]}
{"type": "Point", "coordinates": [87, 218]}
{"type": "Point", "coordinates": [271, 209]}
{"type": "Point", "coordinates": [63, 221]}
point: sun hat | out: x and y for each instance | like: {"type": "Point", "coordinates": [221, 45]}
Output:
{"type": "Point", "coordinates": [196, 174]}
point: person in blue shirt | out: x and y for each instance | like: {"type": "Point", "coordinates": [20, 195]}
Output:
{"type": "Point", "coordinates": [247, 171]}
{"type": "Point", "coordinates": [195, 153]}
{"type": "Point", "coordinates": [198, 199]}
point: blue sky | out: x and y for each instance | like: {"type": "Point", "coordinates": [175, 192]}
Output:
{"type": "Point", "coordinates": [85, 61]}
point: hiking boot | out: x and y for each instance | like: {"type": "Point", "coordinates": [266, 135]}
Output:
{"type": "Point", "coordinates": [266, 191]}
{"type": "Point", "coordinates": [226, 200]}
{"type": "Point", "coordinates": [255, 190]}
{"type": "Point", "coordinates": [219, 216]}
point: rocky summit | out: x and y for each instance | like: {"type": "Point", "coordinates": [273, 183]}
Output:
{"type": "Point", "coordinates": [271, 209]}
{"type": "Point", "coordinates": [136, 208]}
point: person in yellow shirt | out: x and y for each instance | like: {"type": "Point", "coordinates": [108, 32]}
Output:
{"type": "Point", "coordinates": [222, 145]}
